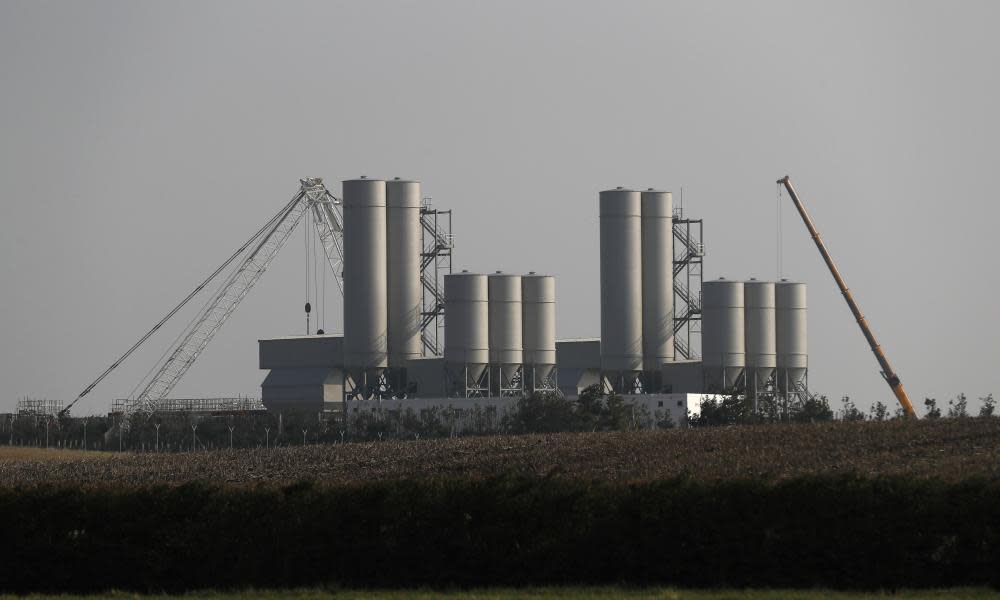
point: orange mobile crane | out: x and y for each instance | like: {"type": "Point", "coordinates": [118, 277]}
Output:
{"type": "Point", "coordinates": [890, 376]}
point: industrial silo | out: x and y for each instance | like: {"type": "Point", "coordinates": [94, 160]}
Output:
{"type": "Point", "coordinates": [722, 337]}
{"type": "Point", "coordinates": [793, 357]}
{"type": "Point", "coordinates": [505, 334]}
{"type": "Point", "coordinates": [657, 284]}
{"type": "Point", "coordinates": [466, 334]}
{"type": "Point", "coordinates": [761, 344]}
{"type": "Point", "coordinates": [365, 283]}
{"type": "Point", "coordinates": [538, 309]}
{"type": "Point", "coordinates": [621, 287]}
{"type": "Point", "coordinates": [404, 292]}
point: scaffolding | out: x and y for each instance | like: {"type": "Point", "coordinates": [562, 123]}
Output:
{"type": "Point", "coordinates": [689, 256]}
{"type": "Point", "coordinates": [38, 407]}
{"type": "Point", "coordinates": [436, 246]}
{"type": "Point", "coordinates": [214, 406]}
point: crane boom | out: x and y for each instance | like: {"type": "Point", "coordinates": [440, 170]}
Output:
{"type": "Point", "coordinates": [219, 308]}
{"type": "Point", "coordinates": [172, 312]}
{"type": "Point", "coordinates": [312, 195]}
{"type": "Point", "coordinates": [890, 376]}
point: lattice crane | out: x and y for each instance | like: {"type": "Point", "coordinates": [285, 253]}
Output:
{"type": "Point", "coordinates": [266, 243]}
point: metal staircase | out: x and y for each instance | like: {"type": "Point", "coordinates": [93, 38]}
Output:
{"type": "Point", "coordinates": [689, 254]}
{"type": "Point", "coordinates": [437, 244]}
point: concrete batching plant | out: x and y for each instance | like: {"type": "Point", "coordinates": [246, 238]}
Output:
{"type": "Point", "coordinates": [500, 334]}
{"type": "Point", "coordinates": [390, 254]}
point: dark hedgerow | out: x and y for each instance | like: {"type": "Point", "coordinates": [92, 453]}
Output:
{"type": "Point", "coordinates": [826, 531]}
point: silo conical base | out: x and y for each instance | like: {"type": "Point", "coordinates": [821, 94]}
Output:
{"type": "Point", "coordinates": [506, 381]}
{"type": "Point", "coordinates": [724, 380]}
{"type": "Point", "coordinates": [541, 378]}
{"type": "Point", "coordinates": [467, 380]}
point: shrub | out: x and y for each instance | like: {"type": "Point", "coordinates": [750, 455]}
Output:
{"type": "Point", "coordinates": [989, 405]}
{"type": "Point", "coordinates": [826, 531]}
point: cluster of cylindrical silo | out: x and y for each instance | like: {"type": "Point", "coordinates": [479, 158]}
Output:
{"type": "Point", "coordinates": [500, 334]}
{"type": "Point", "coordinates": [754, 335]}
{"type": "Point", "coordinates": [382, 293]}
{"type": "Point", "coordinates": [637, 295]}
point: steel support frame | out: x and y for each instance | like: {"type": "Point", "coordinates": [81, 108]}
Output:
{"type": "Point", "coordinates": [758, 390]}
{"type": "Point", "coordinates": [458, 383]}
{"type": "Point", "coordinates": [621, 382]}
{"type": "Point", "coordinates": [363, 385]}
{"type": "Point", "coordinates": [508, 382]}
{"type": "Point", "coordinates": [789, 392]}
{"type": "Point", "coordinates": [533, 383]}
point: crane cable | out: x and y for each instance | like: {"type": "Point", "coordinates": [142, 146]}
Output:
{"type": "Point", "coordinates": [315, 258]}
{"type": "Point", "coordinates": [305, 247]}
{"type": "Point", "coordinates": [182, 303]}
{"type": "Point", "coordinates": [142, 383]}
{"type": "Point", "coordinates": [779, 250]}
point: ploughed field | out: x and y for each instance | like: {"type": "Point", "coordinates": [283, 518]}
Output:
{"type": "Point", "coordinates": [950, 449]}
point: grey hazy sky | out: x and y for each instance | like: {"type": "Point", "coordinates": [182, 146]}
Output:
{"type": "Point", "coordinates": [140, 142]}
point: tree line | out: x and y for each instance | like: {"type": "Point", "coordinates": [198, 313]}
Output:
{"type": "Point", "coordinates": [546, 412]}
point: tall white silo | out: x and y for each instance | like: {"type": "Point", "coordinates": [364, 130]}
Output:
{"type": "Point", "coordinates": [404, 293]}
{"type": "Point", "coordinates": [538, 306]}
{"type": "Point", "coordinates": [506, 331]}
{"type": "Point", "coordinates": [365, 283]}
{"type": "Point", "coordinates": [793, 356]}
{"type": "Point", "coordinates": [621, 287]}
{"type": "Point", "coordinates": [657, 283]}
{"type": "Point", "coordinates": [722, 337]}
{"type": "Point", "coordinates": [466, 333]}
{"type": "Point", "coordinates": [761, 341]}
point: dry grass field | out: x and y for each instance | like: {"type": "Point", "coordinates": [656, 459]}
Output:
{"type": "Point", "coordinates": [553, 594]}
{"type": "Point", "coordinates": [43, 455]}
{"type": "Point", "coordinates": [951, 449]}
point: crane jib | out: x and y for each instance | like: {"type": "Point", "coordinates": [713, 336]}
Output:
{"type": "Point", "coordinates": [890, 376]}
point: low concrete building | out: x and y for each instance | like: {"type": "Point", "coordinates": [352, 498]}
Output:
{"type": "Point", "coordinates": [648, 411]}
{"type": "Point", "coordinates": [306, 373]}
